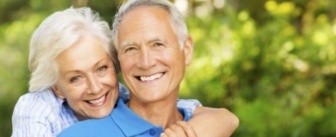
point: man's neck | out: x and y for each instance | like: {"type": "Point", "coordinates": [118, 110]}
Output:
{"type": "Point", "coordinates": [160, 113]}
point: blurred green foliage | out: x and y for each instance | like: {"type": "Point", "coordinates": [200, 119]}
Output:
{"type": "Point", "coordinates": [271, 62]}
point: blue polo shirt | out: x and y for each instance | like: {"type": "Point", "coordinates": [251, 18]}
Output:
{"type": "Point", "coordinates": [122, 122]}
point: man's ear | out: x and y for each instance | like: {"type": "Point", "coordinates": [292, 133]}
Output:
{"type": "Point", "coordinates": [188, 50]}
{"type": "Point", "coordinates": [57, 92]}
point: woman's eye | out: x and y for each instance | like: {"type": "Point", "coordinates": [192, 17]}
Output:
{"type": "Point", "coordinates": [74, 79]}
{"type": "Point", "coordinates": [102, 68]}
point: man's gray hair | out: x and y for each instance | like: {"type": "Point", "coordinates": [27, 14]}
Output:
{"type": "Point", "coordinates": [175, 17]}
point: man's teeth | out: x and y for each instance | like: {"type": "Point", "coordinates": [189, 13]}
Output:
{"type": "Point", "coordinates": [97, 101]}
{"type": "Point", "coordinates": [152, 77]}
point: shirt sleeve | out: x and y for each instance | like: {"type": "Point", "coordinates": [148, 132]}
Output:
{"type": "Point", "coordinates": [189, 105]}
{"type": "Point", "coordinates": [30, 119]}
{"type": "Point", "coordinates": [123, 92]}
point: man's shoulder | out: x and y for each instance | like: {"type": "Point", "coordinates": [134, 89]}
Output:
{"type": "Point", "coordinates": [91, 128]}
{"type": "Point", "coordinates": [106, 126]}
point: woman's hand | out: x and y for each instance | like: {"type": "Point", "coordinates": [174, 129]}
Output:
{"type": "Point", "coordinates": [213, 122]}
{"type": "Point", "coordinates": [180, 129]}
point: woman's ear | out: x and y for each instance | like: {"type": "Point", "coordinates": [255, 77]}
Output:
{"type": "Point", "coordinates": [188, 50]}
{"type": "Point", "coordinates": [57, 92]}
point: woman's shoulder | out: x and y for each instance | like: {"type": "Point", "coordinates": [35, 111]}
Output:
{"type": "Point", "coordinates": [123, 92]}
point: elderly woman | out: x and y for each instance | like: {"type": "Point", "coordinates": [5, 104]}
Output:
{"type": "Point", "coordinates": [73, 78]}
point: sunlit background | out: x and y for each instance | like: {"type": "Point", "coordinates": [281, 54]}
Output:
{"type": "Point", "coordinates": [271, 62]}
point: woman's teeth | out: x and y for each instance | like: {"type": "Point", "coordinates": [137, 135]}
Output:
{"type": "Point", "coordinates": [152, 77]}
{"type": "Point", "coordinates": [98, 101]}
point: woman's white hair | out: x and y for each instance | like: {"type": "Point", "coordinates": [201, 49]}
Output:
{"type": "Point", "coordinates": [175, 17]}
{"type": "Point", "coordinates": [58, 32]}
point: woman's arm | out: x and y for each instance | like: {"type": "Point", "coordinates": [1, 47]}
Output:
{"type": "Point", "coordinates": [213, 122]}
{"type": "Point", "coordinates": [30, 118]}
{"type": "Point", "coordinates": [207, 122]}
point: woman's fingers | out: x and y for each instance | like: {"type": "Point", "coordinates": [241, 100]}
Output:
{"type": "Point", "coordinates": [187, 128]}
{"type": "Point", "coordinates": [180, 129]}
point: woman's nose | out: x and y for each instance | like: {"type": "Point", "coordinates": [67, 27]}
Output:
{"type": "Point", "coordinates": [95, 86]}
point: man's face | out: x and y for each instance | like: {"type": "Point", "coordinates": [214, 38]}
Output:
{"type": "Point", "coordinates": [151, 60]}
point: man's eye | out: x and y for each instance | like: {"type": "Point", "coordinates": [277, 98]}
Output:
{"type": "Point", "coordinates": [130, 49]}
{"type": "Point", "coordinates": [158, 44]}
{"type": "Point", "coordinates": [102, 68]}
{"type": "Point", "coordinates": [74, 79]}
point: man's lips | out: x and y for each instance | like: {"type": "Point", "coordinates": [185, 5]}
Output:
{"type": "Point", "coordinates": [151, 77]}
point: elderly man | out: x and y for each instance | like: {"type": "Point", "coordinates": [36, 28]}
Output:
{"type": "Point", "coordinates": [154, 49]}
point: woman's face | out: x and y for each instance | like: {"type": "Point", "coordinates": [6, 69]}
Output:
{"type": "Point", "coordinates": [87, 79]}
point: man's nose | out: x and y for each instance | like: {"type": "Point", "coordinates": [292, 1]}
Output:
{"type": "Point", "coordinates": [146, 59]}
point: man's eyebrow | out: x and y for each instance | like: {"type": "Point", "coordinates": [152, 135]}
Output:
{"type": "Point", "coordinates": [156, 39]}
{"type": "Point", "coordinates": [127, 43]}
